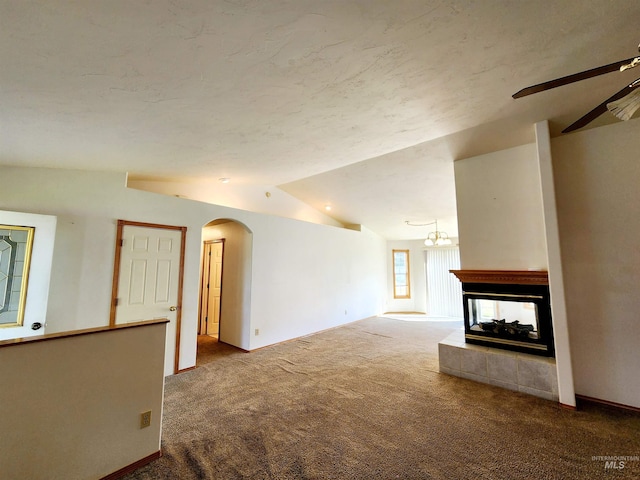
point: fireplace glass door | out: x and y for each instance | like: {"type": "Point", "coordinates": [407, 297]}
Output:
{"type": "Point", "coordinates": [507, 318]}
{"type": "Point", "coordinates": [513, 317]}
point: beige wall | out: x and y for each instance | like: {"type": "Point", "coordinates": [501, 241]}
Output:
{"type": "Point", "coordinates": [597, 178]}
{"type": "Point", "coordinates": [71, 406]}
{"type": "Point", "coordinates": [500, 214]}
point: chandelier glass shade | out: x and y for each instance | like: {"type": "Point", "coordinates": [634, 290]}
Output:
{"type": "Point", "coordinates": [437, 239]}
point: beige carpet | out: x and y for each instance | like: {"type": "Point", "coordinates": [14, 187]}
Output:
{"type": "Point", "coordinates": [366, 401]}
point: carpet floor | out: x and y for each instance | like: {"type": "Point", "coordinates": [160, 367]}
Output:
{"type": "Point", "coordinates": [366, 401]}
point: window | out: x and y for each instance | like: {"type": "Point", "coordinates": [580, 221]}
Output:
{"type": "Point", "coordinates": [401, 288]}
{"type": "Point", "coordinates": [15, 254]}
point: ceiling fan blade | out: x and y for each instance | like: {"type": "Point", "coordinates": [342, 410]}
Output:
{"type": "Point", "coordinates": [576, 77]}
{"type": "Point", "coordinates": [599, 110]}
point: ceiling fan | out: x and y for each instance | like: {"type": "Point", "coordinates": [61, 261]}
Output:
{"type": "Point", "coordinates": [622, 104]}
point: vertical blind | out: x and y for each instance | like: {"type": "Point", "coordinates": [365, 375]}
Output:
{"type": "Point", "coordinates": [444, 290]}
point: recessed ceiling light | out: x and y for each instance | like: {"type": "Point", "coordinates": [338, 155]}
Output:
{"type": "Point", "coordinates": [224, 180]}
{"type": "Point", "coordinates": [327, 208]}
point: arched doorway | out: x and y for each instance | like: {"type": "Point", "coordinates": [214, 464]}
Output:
{"type": "Point", "coordinates": [234, 241]}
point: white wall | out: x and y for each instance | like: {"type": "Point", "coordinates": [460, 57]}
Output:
{"type": "Point", "coordinates": [255, 198]}
{"type": "Point", "coordinates": [501, 217]}
{"type": "Point", "coordinates": [304, 276]}
{"type": "Point", "coordinates": [596, 174]}
{"type": "Point", "coordinates": [312, 277]}
{"type": "Point", "coordinates": [418, 277]}
{"type": "Point", "coordinates": [596, 178]}
{"type": "Point", "coordinates": [500, 213]}
{"type": "Point", "coordinates": [71, 406]}
{"type": "Point", "coordinates": [39, 271]}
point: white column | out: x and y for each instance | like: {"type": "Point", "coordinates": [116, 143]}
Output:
{"type": "Point", "coordinates": [556, 283]}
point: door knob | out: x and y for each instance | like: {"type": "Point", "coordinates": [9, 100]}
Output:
{"type": "Point", "coordinates": [173, 308]}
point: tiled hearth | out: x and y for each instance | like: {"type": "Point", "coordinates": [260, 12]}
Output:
{"type": "Point", "coordinates": [521, 372]}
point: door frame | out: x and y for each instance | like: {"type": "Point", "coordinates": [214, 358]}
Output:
{"type": "Point", "coordinates": [201, 298]}
{"type": "Point", "coordinates": [116, 277]}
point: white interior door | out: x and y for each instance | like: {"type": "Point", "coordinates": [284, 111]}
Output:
{"type": "Point", "coordinates": [148, 280]}
{"type": "Point", "coordinates": [211, 288]}
{"type": "Point", "coordinates": [204, 288]}
{"type": "Point", "coordinates": [215, 288]}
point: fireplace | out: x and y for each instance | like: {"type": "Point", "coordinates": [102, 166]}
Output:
{"type": "Point", "coordinates": [507, 309]}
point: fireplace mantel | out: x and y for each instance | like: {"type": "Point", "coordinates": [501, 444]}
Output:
{"type": "Point", "coordinates": [511, 277]}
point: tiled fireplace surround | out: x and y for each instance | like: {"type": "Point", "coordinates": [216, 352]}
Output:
{"type": "Point", "coordinates": [522, 372]}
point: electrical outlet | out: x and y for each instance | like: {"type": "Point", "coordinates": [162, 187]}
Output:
{"type": "Point", "coordinates": [257, 331]}
{"type": "Point", "coordinates": [145, 419]}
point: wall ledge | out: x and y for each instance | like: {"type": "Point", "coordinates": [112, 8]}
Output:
{"type": "Point", "coordinates": [76, 333]}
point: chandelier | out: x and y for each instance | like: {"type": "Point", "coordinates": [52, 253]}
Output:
{"type": "Point", "coordinates": [435, 238]}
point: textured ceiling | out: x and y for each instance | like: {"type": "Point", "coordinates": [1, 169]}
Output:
{"type": "Point", "coordinates": [363, 104]}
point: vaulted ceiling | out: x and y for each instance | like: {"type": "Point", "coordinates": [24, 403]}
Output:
{"type": "Point", "coordinates": [363, 104]}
